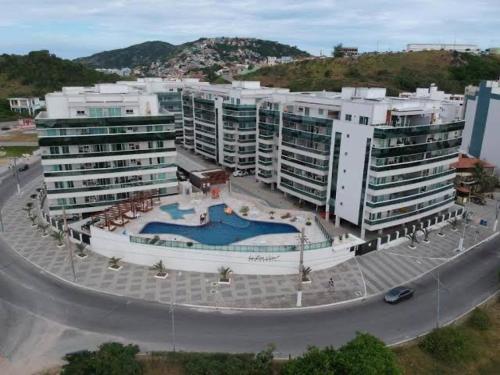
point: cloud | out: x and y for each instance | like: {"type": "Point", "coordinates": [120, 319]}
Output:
{"type": "Point", "coordinates": [73, 28]}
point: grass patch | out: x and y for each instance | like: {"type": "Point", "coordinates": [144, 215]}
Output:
{"type": "Point", "coordinates": [483, 357]}
{"type": "Point", "coordinates": [16, 151]}
{"type": "Point", "coordinates": [19, 137]}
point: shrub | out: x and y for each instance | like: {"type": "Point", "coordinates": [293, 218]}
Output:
{"type": "Point", "coordinates": [479, 320]}
{"type": "Point", "coordinates": [315, 361]}
{"type": "Point", "coordinates": [111, 358]}
{"type": "Point", "coordinates": [448, 344]}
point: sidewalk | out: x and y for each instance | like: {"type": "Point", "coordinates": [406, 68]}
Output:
{"type": "Point", "coordinates": [376, 271]}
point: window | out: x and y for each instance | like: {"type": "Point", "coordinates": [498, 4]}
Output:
{"type": "Point", "coordinates": [95, 112]}
{"type": "Point", "coordinates": [348, 117]}
{"type": "Point", "coordinates": [114, 112]}
{"type": "Point", "coordinates": [129, 111]}
{"type": "Point", "coordinates": [363, 120]}
{"type": "Point", "coordinates": [54, 150]}
{"type": "Point", "coordinates": [320, 111]}
{"type": "Point", "coordinates": [306, 111]}
{"type": "Point", "coordinates": [65, 149]}
{"type": "Point", "coordinates": [80, 113]}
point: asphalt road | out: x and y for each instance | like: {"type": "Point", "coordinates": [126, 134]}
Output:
{"type": "Point", "coordinates": [466, 281]}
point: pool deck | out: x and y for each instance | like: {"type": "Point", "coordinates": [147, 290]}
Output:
{"type": "Point", "coordinates": [258, 211]}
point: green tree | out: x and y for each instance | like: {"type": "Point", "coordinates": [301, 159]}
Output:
{"type": "Point", "coordinates": [366, 355]}
{"type": "Point", "coordinates": [337, 51]}
{"type": "Point", "coordinates": [315, 361]}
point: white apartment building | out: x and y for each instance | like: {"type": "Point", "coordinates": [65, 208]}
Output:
{"type": "Point", "coordinates": [104, 144]}
{"type": "Point", "coordinates": [27, 106]}
{"type": "Point", "coordinates": [482, 122]}
{"type": "Point", "coordinates": [220, 121]}
{"type": "Point", "coordinates": [374, 161]}
{"type": "Point", "coordinates": [468, 48]}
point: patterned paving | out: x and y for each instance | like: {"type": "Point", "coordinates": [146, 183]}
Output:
{"type": "Point", "coordinates": [377, 271]}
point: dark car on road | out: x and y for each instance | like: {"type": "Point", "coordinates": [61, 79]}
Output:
{"type": "Point", "coordinates": [23, 168]}
{"type": "Point", "coordinates": [398, 294]}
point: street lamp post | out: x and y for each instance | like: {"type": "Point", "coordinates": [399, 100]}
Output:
{"type": "Point", "coordinates": [68, 244]}
{"type": "Point", "coordinates": [172, 309]}
{"type": "Point", "coordinates": [15, 172]}
{"type": "Point", "coordinates": [497, 207]}
{"type": "Point", "coordinates": [302, 241]}
{"type": "Point", "coordinates": [1, 219]}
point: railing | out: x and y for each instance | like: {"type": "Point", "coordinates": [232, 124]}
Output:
{"type": "Point", "coordinates": [322, 228]}
{"type": "Point", "coordinates": [109, 187]}
{"type": "Point", "coordinates": [237, 248]}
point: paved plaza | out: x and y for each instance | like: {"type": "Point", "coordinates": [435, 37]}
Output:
{"type": "Point", "coordinates": [359, 277]}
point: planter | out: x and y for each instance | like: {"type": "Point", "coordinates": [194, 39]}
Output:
{"type": "Point", "coordinates": [60, 246]}
{"type": "Point", "coordinates": [224, 282]}
{"type": "Point", "coordinates": [441, 234]}
{"type": "Point", "coordinates": [45, 235]}
{"type": "Point", "coordinates": [427, 241]}
{"type": "Point", "coordinates": [306, 281]}
{"type": "Point", "coordinates": [115, 268]}
{"type": "Point", "coordinates": [82, 256]}
{"type": "Point", "coordinates": [161, 276]}
{"type": "Point", "coordinates": [412, 247]}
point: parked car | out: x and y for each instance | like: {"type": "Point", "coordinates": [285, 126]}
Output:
{"type": "Point", "coordinates": [23, 168]}
{"type": "Point", "coordinates": [239, 173]}
{"type": "Point", "coordinates": [478, 200]}
{"type": "Point", "coordinates": [398, 294]}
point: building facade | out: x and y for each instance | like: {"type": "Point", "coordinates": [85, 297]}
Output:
{"type": "Point", "coordinates": [359, 156]}
{"type": "Point", "coordinates": [467, 48]}
{"type": "Point", "coordinates": [104, 144]}
{"type": "Point", "coordinates": [26, 106]}
{"type": "Point", "coordinates": [482, 122]}
{"type": "Point", "coordinates": [220, 121]}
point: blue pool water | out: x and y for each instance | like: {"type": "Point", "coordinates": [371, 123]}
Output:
{"type": "Point", "coordinates": [222, 229]}
{"type": "Point", "coordinates": [175, 212]}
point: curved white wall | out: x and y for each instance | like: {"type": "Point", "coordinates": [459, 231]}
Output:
{"type": "Point", "coordinates": [117, 245]}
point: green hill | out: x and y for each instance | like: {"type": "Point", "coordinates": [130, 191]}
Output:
{"type": "Point", "coordinates": [208, 51]}
{"type": "Point", "coordinates": [40, 72]}
{"type": "Point", "coordinates": [138, 54]}
{"type": "Point", "coordinates": [451, 71]}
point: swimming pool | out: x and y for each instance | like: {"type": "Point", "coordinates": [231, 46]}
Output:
{"type": "Point", "coordinates": [222, 229]}
{"type": "Point", "coordinates": [175, 212]}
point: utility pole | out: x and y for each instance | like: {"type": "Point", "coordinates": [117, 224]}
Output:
{"type": "Point", "coordinates": [438, 302]}
{"type": "Point", "coordinates": [172, 309]}
{"type": "Point", "coordinates": [68, 244]}
{"type": "Point", "coordinates": [497, 206]}
{"type": "Point", "coordinates": [302, 241]}
{"type": "Point", "coordinates": [1, 219]}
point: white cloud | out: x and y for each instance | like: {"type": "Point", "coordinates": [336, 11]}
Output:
{"type": "Point", "coordinates": [74, 28]}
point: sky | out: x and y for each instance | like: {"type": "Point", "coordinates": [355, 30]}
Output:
{"type": "Point", "coordinates": [75, 28]}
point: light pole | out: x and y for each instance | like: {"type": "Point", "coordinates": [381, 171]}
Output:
{"type": "Point", "coordinates": [497, 206]}
{"type": "Point", "coordinates": [68, 244]}
{"type": "Point", "coordinates": [462, 238]}
{"type": "Point", "coordinates": [16, 175]}
{"type": "Point", "coordinates": [302, 241]}
{"type": "Point", "coordinates": [172, 309]}
{"type": "Point", "coordinates": [438, 305]}
{"type": "Point", "coordinates": [1, 219]}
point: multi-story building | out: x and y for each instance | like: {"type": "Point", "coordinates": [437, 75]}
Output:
{"type": "Point", "coordinates": [467, 48]}
{"type": "Point", "coordinates": [482, 122]}
{"type": "Point", "coordinates": [222, 121]}
{"type": "Point", "coordinates": [104, 144]}
{"type": "Point", "coordinates": [374, 161]}
{"type": "Point", "coordinates": [26, 106]}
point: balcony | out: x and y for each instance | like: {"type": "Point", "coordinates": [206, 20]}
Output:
{"type": "Point", "coordinates": [410, 197]}
{"type": "Point", "coordinates": [415, 148]}
{"type": "Point", "coordinates": [411, 180]}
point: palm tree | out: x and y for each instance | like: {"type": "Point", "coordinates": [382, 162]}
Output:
{"type": "Point", "coordinates": [28, 208]}
{"type": "Point", "coordinates": [305, 273]}
{"type": "Point", "coordinates": [413, 238]}
{"type": "Point", "coordinates": [426, 232]}
{"type": "Point", "coordinates": [272, 214]}
{"type": "Point", "coordinates": [80, 249]}
{"type": "Point", "coordinates": [33, 219]}
{"type": "Point", "coordinates": [224, 273]}
{"type": "Point", "coordinates": [114, 263]}
{"type": "Point", "coordinates": [59, 237]}
{"type": "Point", "coordinates": [244, 210]}
{"type": "Point", "coordinates": [43, 227]}
{"type": "Point", "coordinates": [454, 223]}
{"type": "Point", "coordinates": [160, 269]}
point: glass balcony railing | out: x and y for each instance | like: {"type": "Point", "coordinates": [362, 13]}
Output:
{"type": "Point", "coordinates": [404, 182]}
{"type": "Point", "coordinates": [236, 248]}
{"type": "Point", "coordinates": [110, 187]}
{"type": "Point", "coordinates": [134, 153]}
{"type": "Point", "coordinates": [409, 214]}
{"type": "Point", "coordinates": [79, 172]}
{"type": "Point", "coordinates": [388, 167]}
{"type": "Point", "coordinates": [319, 196]}
{"type": "Point", "coordinates": [304, 163]}
{"type": "Point", "coordinates": [304, 178]}
{"type": "Point", "coordinates": [306, 148]}
{"type": "Point", "coordinates": [400, 132]}
{"type": "Point", "coordinates": [415, 149]}
{"type": "Point", "coordinates": [409, 198]}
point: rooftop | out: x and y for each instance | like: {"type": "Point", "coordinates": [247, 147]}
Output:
{"type": "Point", "coordinates": [466, 162]}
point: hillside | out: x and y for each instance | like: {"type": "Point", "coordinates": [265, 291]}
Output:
{"type": "Point", "coordinates": [138, 54]}
{"type": "Point", "coordinates": [159, 58]}
{"type": "Point", "coordinates": [40, 72]}
{"type": "Point", "coordinates": [397, 72]}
